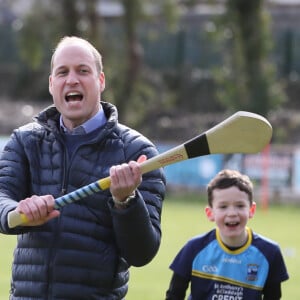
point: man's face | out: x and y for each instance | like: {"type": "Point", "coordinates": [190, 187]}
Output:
{"type": "Point", "coordinates": [75, 84]}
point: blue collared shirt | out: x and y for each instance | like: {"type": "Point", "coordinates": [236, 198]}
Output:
{"type": "Point", "coordinates": [95, 122]}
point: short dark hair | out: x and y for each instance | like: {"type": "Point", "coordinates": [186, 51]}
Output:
{"type": "Point", "coordinates": [228, 178]}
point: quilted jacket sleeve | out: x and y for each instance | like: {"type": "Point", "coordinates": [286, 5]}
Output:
{"type": "Point", "coordinates": [13, 180]}
{"type": "Point", "coordinates": [137, 228]}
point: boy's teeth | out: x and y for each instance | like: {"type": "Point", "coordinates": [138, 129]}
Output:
{"type": "Point", "coordinates": [232, 224]}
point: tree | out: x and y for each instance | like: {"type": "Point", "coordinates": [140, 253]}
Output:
{"type": "Point", "coordinates": [42, 28]}
{"type": "Point", "coordinates": [133, 53]}
{"type": "Point", "coordinates": [139, 86]}
{"type": "Point", "coordinates": [247, 80]}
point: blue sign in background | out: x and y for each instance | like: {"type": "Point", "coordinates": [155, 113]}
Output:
{"type": "Point", "coordinates": [283, 168]}
{"type": "Point", "coordinates": [195, 172]}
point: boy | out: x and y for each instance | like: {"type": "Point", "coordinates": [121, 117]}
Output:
{"type": "Point", "coordinates": [230, 262]}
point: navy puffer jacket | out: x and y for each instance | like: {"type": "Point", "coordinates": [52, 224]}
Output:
{"type": "Point", "coordinates": [87, 251]}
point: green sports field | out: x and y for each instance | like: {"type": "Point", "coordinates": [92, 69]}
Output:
{"type": "Point", "coordinates": [182, 218]}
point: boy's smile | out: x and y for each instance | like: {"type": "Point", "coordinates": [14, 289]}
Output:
{"type": "Point", "coordinates": [231, 211]}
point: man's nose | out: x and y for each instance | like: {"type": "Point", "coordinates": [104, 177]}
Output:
{"type": "Point", "coordinates": [72, 78]}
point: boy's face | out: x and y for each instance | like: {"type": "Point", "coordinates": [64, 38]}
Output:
{"type": "Point", "coordinates": [231, 211]}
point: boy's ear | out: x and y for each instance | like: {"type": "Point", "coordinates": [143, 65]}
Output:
{"type": "Point", "coordinates": [252, 210]}
{"type": "Point", "coordinates": [209, 213]}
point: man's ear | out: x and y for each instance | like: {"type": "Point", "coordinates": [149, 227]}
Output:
{"type": "Point", "coordinates": [209, 213]}
{"type": "Point", "coordinates": [102, 81]}
{"type": "Point", "coordinates": [252, 210]}
{"type": "Point", "coordinates": [50, 85]}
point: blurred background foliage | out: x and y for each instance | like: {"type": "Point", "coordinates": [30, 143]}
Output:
{"type": "Point", "coordinates": [166, 62]}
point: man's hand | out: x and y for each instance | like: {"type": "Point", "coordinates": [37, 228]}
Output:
{"type": "Point", "coordinates": [38, 209]}
{"type": "Point", "coordinates": [126, 178]}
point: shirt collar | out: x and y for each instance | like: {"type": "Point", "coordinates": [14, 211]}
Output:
{"type": "Point", "coordinates": [93, 123]}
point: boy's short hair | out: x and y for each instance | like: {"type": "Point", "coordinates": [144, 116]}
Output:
{"type": "Point", "coordinates": [228, 178]}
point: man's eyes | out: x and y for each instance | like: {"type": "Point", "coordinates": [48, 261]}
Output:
{"type": "Point", "coordinates": [61, 72]}
{"type": "Point", "coordinates": [64, 72]}
{"type": "Point", "coordinates": [83, 70]}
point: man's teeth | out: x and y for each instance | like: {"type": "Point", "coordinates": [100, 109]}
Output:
{"type": "Point", "coordinates": [73, 94]}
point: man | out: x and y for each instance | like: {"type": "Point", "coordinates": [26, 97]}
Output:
{"type": "Point", "coordinates": [84, 250]}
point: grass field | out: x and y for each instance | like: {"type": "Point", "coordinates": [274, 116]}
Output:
{"type": "Point", "coordinates": [180, 221]}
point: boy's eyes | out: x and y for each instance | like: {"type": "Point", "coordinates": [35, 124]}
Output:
{"type": "Point", "coordinates": [223, 206]}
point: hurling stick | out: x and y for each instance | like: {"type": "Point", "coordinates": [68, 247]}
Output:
{"type": "Point", "coordinates": [243, 132]}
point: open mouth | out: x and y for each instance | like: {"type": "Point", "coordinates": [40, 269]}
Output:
{"type": "Point", "coordinates": [73, 96]}
{"type": "Point", "coordinates": [232, 224]}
